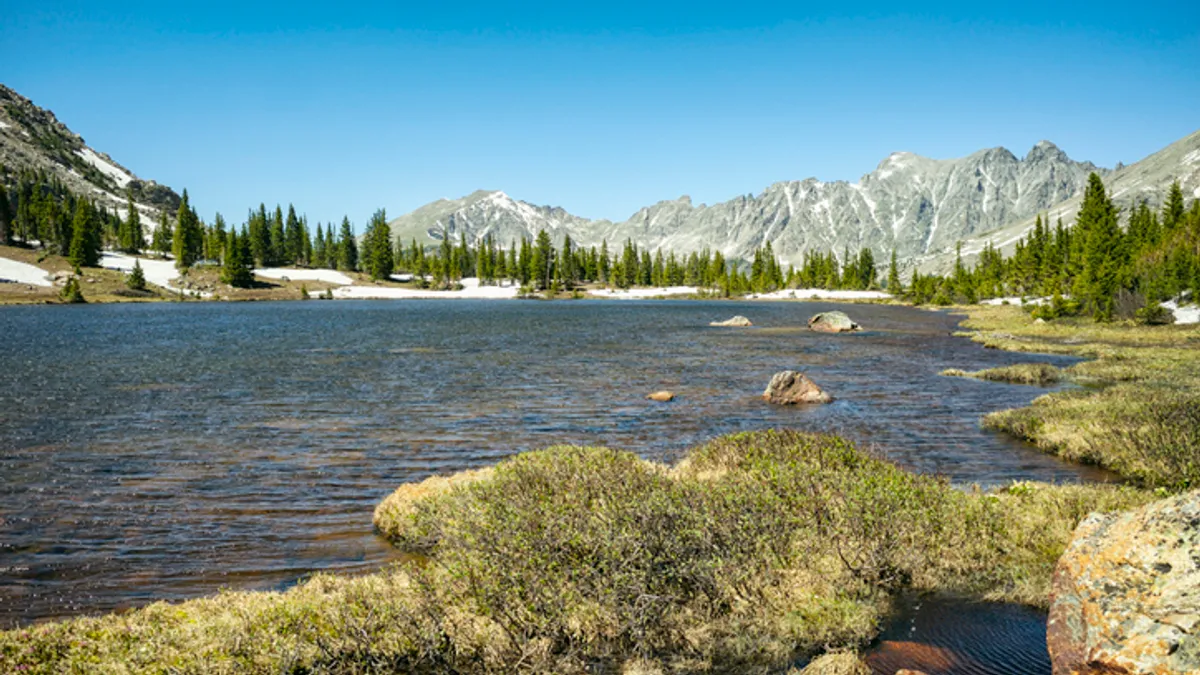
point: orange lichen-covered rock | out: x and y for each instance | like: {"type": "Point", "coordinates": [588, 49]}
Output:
{"type": "Point", "coordinates": [1126, 595]}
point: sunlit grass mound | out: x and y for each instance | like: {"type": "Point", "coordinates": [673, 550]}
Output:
{"type": "Point", "coordinates": [1040, 374]}
{"type": "Point", "coordinates": [756, 552]}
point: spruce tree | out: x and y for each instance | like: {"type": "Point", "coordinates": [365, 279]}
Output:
{"type": "Point", "coordinates": [1103, 250]}
{"type": "Point", "coordinates": [162, 236]}
{"type": "Point", "coordinates": [189, 236]}
{"type": "Point", "coordinates": [347, 248]}
{"type": "Point", "coordinates": [893, 280]}
{"type": "Point", "coordinates": [136, 280]}
{"type": "Point", "coordinates": [377, 247]}
{"type": "Point", "coordinates": [132, 239]}
{"type": "Point", "coordinates": [237, 269]}
{"type": "Point", "coordinates": [85, 236]}
{"type": "Point", "coordinates": [6, 219]}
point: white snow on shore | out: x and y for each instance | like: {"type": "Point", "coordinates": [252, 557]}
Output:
{"type": "Point", "coordinates": [1185, 314]}
{"type": "Point", "coordinates": [818, 294]}
{"type": "Point", "coordinates": [122, 179]}
{"type": "Point", "coordinates": [471, 291]}
{"type": "Point", "coordinates": [1015, 300]}
{"type": "Point", "coordinates": [642, 293]}
{"type": "Point", "coordinates": [157, 271]}
{"type": "Point", "coordinates": [17, 272]}
{"type": "Point", "coordinates": [328, 276]}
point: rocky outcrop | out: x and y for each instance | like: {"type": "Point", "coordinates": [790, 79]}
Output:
{"type": "Point", "coordinates": [661, 396]}
{"type": "Point", "coordinates": [832, 322]}
{"type": "Point", "coordinates": [790, 387]}
{"type": "Point", "coordinates": [33, 138]}
{"type": "Point", "coordinates": [1126, 596]}
{"type": "Point", "coordinates": [738, 321]}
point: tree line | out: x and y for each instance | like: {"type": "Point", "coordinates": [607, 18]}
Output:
{"type": "Point", "coordinates": [1099, 267]}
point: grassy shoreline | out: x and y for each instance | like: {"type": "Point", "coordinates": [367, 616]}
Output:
{"type": "Point", "coordinates": [757, 550]}
{"type": "Point", "coordinates": [1138, 413]}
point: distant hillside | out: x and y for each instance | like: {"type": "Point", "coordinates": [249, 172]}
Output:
{"type": "Point", "coordinates": [33, 138]}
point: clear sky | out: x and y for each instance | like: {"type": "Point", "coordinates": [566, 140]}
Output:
{"type": "Point", "coordinates": [598, 107]}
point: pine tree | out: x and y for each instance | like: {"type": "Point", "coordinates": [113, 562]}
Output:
{"type": "Point", "coordinates": [162, 236]}
{"type": "Point", "coordinates": [136, 280]}
{"type": "Point", "coordinates": [1172, 210]}
{"type": "Point", "coordinates": [85, 236]}
{"type": "Point", "coordinates": [189, 236]}
{"type": "Point", "coordinates": [237, 269]}
{"type": "Point", "coordinates": [132, 239]}
{"type": "Point", "coordinates": [377, 247]}
{"type": "Point", "coordinates": [542, 268]}
{"type": "Point", "coordinates": [1103, 250]}
{"type": "Point", "coordinates": [347, 248]}
{"type": "Point", "coordinates": [893, 280]}
{"type": "Point", "coordinates": [278, 238]}
{"type": "Point", "coordinates": [6, 219]}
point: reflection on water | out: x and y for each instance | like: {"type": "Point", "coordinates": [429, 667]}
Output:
{"type": "Point", "coordinates": [168, 451]}
{"type": "Point", "coordinates": [941, 636]}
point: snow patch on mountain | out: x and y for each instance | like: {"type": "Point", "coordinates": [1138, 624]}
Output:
{"type": "Point", "coordinates": [121, 177]}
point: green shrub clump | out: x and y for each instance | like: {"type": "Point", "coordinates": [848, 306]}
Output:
{"type": "Point", "coordinates": [755, 551]}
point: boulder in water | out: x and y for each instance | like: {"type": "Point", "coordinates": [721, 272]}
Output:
{"type": "Point", "coordinates": [790, 387]}
{"type": "Point", "coordinates": [738, 321]}
{"type": "Point", "coordinates": [1126, 594]}
{"type": "Point", "coordinates": [832, 322]}
{"type": "Point", "coordinates": [661, 396]}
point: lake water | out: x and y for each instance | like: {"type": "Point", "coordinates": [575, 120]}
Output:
{"type": "Point", "coordinates": [166, 451]}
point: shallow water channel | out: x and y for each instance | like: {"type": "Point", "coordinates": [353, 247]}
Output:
{"type": "Point", "coordinates": [166, 451]}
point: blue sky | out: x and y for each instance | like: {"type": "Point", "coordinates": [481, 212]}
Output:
{"type": "Point", "coordinates": [600, 108]}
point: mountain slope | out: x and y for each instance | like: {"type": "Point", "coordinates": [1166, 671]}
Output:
{"type": "Point", "coordinates": [1147, 180]}
{"type": "Point", "coordinates": [912, 203]}
{"type": "Point", "coordinates": [32, 138]}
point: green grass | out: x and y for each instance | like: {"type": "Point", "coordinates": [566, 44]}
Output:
{"type": "Point", "coordinates": [1039, 374]}
{"type": "Point", "coordinates": [757, 550]}
{"type": "Point", "coordinates": [1140, 413]}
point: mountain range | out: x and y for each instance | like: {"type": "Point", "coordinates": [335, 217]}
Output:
{"type": "Point", "coordinates": [918, 206]}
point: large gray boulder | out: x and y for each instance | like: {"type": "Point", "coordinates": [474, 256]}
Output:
{"type": "Point", "coordinates": [1126, 594]}
{"type": "Point", "coordinates": [790, 387]}
{"type": "Point", "coordinates": [832, 322]}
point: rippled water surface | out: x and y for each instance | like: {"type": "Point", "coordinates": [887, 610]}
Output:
{"type": "Point", "coordinates": [166, 451]}
{"type": "Point", "coordinates": [941, 636]}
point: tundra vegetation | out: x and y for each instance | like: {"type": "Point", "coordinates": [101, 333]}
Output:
{"type": "Point", "coordinates": [1139, 413]}
{"type": "Point", "coordinates": [755, 552]}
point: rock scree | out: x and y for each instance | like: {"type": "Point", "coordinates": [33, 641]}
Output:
{"type": "Point", "coordinates": [790, 387]}
{"type": "Point", "coordinates": [1126, 593]}
{"type": "Point", "coordinates": [738, 321]}
{"type": "Point", "coordinates": [832, 322]}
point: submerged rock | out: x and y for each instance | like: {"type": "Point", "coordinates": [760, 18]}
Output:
{"type": "Point", "coordinates": [790, 387]}
{"type": "Point", "coordinates": [832, 322]}
{"type": "Point", "coordinates": [661, 396]}
{"type": "Point", "coordinates": [1126, 595]}
{"type": "Point", "coordinates": [738, 321]}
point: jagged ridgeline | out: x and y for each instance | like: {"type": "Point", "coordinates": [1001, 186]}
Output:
{"type": "Point", "coordinates": [918, 206]}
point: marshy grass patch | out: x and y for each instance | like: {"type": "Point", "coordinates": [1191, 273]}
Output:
{"type": "Point", "coordinates": [1036, 374]}
{"type": "Point", "coordinates": [1141, 413]}
{"type": "Point", "coordinates": [760, 550]}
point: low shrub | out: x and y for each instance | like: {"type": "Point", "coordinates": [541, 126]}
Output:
{"type": "Point", "coordinates": [756, 550]}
